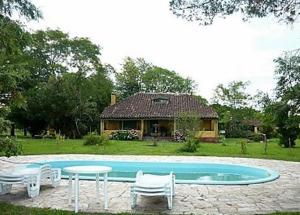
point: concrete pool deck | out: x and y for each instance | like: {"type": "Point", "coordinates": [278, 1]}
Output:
{"type": "Point", "coordinates": [282, 194]}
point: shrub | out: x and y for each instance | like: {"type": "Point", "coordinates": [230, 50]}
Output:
{"type": "Point", "coordinates": [222, 139]}
{"type": "Point", "coordinates": [10, 147]}
{"type": "Point", "coordinates": [190, 145]}
{"type": "Point", "coordinates": [256, 137]}
{"type": "Point", "coordinates": [93, 139]}
{"type": "Point", "coordinates": [243, 147]}
{"type": "Point", "coordinates": [179, 137]}
{"type": "Point", "coordinates": [124, 135]}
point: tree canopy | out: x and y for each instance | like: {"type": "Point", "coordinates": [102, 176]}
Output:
{"type": "Point", "coordinates": [205, 11]}
{"type": "Point", "coordinates": [141, 76]}
{"type": "Point", "coordinates": [66, 87]}
{"type": "Point", "coordinates": [232, 95]}
{"type": "Point", "coordinates": [286, 109]}
{"type": "Point", "coordinates": [23, 8]}
{"type": "Point", "coordinates": [13, 60]}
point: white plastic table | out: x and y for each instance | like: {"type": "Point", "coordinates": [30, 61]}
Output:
{"type": "Point", "coordinates": [76, 170]}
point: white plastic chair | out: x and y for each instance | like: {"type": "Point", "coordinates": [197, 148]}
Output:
{"type": "Point", "coordinates": [153, 185]}
{"type": "Point", "coordinates": [50, 175]}
{"type": "Point", "coordinates": [32, 178]}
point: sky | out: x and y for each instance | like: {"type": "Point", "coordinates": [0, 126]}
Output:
{"type": "Point", "coordinates": [227, 50]}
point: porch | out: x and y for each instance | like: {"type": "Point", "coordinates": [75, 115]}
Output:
{"type": "Point", "coordinates": [208, 128]}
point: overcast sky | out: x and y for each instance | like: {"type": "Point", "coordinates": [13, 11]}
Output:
{"type": "Point", "coordinates": [228, 50]}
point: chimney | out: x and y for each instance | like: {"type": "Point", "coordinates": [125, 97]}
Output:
{"type": "Point", "coordinates": [113, 99]}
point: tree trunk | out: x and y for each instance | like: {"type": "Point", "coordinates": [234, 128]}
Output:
{"type": "Point", "coordinates": [12, 130]}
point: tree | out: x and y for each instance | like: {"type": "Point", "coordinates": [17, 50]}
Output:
{"type": "Point", "coordinates": [201, 99]}
{"type": "Point", "coordinates": [70, 104]}
{"type": "Point", "coordinates": [205, 11]}
{"type": "Point", "coordinates": [23, 8]}
{"type": "Point", "coordinates": [266, 105]}
{"type": "Point", "coordinates": [287, 108]}
{"type": "Point", "coordinates": [288, 79]}
{"type": "Point", "coordinates": [67, 86]}
{"type": "Point", "coordinates": [13, 40]}
{"type": "Point", "coordinates": [53, 52]}
{"type": "Point", "coordinates": [232, 95]}
{"type": "Point", "coordinates": [129, 80]}
{"type": "Point", "coordinates": [161, 80]}
{"type": "Point", "coordinates": [236, 114]}
{"type": "Point", "coordinates": [188, 124]}
{"type": "Point", "coordinates": [140, 76]}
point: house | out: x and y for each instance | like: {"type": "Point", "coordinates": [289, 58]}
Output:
{"type": "Point", "coordinates": [145, 112]}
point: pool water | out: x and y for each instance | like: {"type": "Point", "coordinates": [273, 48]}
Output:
{"type": "Point", "coordinates": [188, 173]}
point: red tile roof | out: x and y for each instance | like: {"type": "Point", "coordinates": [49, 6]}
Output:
{"type": "Point", "coordinates": [148, 105]}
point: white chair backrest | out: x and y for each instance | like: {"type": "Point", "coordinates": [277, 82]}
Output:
{"type": "Point", "coordinates": [45, 171]}
{"type": "Point", "coordinates": [8, 177]}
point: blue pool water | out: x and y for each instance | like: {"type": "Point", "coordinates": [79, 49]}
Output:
{"type": "Point", "coordinates": [187, 173]}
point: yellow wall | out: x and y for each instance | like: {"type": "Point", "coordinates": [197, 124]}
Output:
{"type": "Point", "coordinates": [208, 128]}
{"type": "Point", "coordinates": [112, 125]}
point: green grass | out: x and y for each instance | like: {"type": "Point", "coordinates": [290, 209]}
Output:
{"type": "Point", "coordinates": [9, 209]}
{"type": "Point", "coordinates": [232, 148]}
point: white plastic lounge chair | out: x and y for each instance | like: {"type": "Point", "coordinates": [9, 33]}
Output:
{"type": "Point", "coordinates": [153, 185]}
{"type": "Point", "coordinates": [50, 175]}
{"type": "Point", "coordinates": [32, 178]}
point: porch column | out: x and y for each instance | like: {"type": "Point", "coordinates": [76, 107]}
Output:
{"type": "Point", "coordinates": [255, 130]}
{"type": "Point", "coordinates": [216, 127]}
{"type": "Point", "coordinates": [101, 126]}
{"type": "Point", "coordinates": [142, 129]}
{"type": "Point", "coordinates": [174, 128]}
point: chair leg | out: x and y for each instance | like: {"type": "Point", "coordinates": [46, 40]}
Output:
{"type": "Point", "coordinates": [133, 198]}
{"type": "Point", "coordinates": [170, 201]}
{"type": "Point", "coordinates": [55, 177]}
{"type": "Point", "coordinates": [33, 186]}
{"type": "Point", "coordinates": [5, 188]}
{"type": "Point", "coordinates": [173, 185]}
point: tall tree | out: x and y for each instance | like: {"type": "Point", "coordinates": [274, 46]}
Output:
{"type": "Point", "coordinates": [205, 11]}
{"type": "Point", "coordinates": [141, 76]}
{"type": "Point", "coordinates": [288, 79]}
{"type": "Point", "coordinates": [158, 79]}
{"type": "Point", "coordinates": [70, 104]}
{"type": "Point", "coordinates": [233, 95]}
{"type": "Point", "coordinates": [23, 8]}
{"type": "Point", "coordinates": [13, 41]}
{"type": "Point", "coordinates": [67, 85]}
{"type": "Point", "coordinates": [53, 52]}
{"type": "Point", "coordinates": [130, 80]}
{"type": "Point", "coordinates": [287, 109]}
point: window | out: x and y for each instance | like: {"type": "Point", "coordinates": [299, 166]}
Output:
{"type": "Point", "coordinates": [161, 100]}
{"type": "Point", "coordinates": [131, 124]}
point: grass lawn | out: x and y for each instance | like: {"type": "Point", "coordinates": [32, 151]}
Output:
{"type": "Point", "coordinates": [9, 209]}
{"type": "Point", "coordinates": [231, 148]}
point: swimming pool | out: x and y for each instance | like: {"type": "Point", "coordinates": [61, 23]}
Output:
{"type": "Point", "coordinates": [186, 173]}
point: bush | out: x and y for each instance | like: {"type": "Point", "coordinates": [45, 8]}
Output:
{"type": "Point", "coordinates": [179, 137]}
{"type": "Point", "coordinates": [124, 135]}
{"type": "Point", "coordinates": [222, 139]}
{"type": "Point", "coordinates": [93, 139]}
{"type": "Point", "coordinates": [243, 147]}
{"type": "Point", "coordinates": [10, 147]}
{"type": "Point", "coordinates": [190, 145]}
{"type": "Point", "coordinates": [256, 137]}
